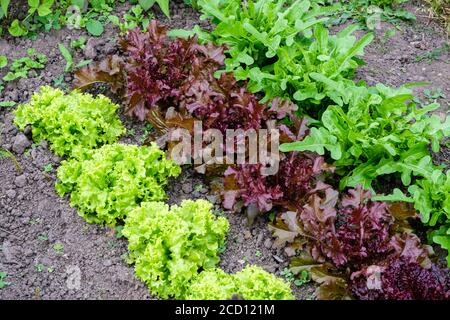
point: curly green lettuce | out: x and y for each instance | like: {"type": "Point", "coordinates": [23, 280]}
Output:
{"type": "Point", "coordinates": [114, 180]}
{"type": "Point", "coordinates": [252, 283]}
{"type": "Point", "coordinates": [72, 123]}
{"type": "Point", "coordinates": [170, 246]}
{"type": "Point", "coordinates": [213, 284]}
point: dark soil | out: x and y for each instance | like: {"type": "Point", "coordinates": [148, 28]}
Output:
{"type": "Point", "coordinates": [33, 218]}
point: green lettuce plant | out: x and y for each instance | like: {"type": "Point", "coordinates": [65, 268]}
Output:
{"type": "Point", "coordinates": [252, 283]}
{"type": "Point", "coordinates": [377, 131]}
{"type": "Point", "coordinates": [114, 180]}
{"type": "Point", "coordinates": [276, 45]}
{"type": "Point", "coordinates": [169, 246]}
{"type": "Point", "coordinates": [72, 123]}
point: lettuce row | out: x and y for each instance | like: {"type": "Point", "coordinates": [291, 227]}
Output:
{"type": "Point", "coordinates": [374, 132]}
{"type": "Point", "coordinates": [169, 246]}
{"type": "Point", "coordinates": [72, 123]}
{"type": "Point", "coordinates": [278, 45]}
{"type": "Point", "coordinates": [252, 283]}
{"type": "Point", "coordinates": [114, 180]}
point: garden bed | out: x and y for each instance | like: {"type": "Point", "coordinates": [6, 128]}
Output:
{"type": "Point", "coordinates": [35, 221]}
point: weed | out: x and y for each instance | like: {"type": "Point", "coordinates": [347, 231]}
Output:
{"type": "Point", "coordinates": [39, 267]}
{"type": "Point", "coordinates": [20, 67]}
{"type": "Point", "coordinates": [134, 18]}
{"type": "Point", "coordinates": [118, 230]}
{"type": "Point", "coordinates": [7, 104]}
{"type": "Point", "coordinates": [198, 188]}
{"type": "Point", "coordinates": [434, 94]}
{"type": "Point", "coordinates": [58, 81]}
{"type": "Point", "coordinates": [302, 278]}
{"type": "Point", "coordinates": [79, 43]}
{"type": "Point", "coordinates": [434, 54]}
{"type": "Point", "coordinates": [6, 154]}
{"type": "Point", "coordinates": [131, 132]}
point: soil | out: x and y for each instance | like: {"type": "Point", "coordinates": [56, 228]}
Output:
{"type": "Point", "coordinates": [33, 218]}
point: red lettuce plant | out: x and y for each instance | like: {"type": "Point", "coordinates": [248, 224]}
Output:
{"type": "Point", "coordinates": [356, 247]}
{"type": "Point", "coordinates": [296, 177]}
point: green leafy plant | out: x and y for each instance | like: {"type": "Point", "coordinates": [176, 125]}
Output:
{"type": "Point", "coordinates": [374, 132]}
{"type": "Point", "coordinates": [72, 123]}
{"type": "Point", "coordinates": [252, 283]}
{"type": "Point", "coordinates": [170, 246]}
{"type": "Point", "coordinates": [20, 67]}
{"type": "Point", "coordinates": [276, 46]}
{"type": "Point", "coordinates": [115, 179]}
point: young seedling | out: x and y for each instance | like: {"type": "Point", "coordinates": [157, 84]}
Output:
{"type": "Point", "coordinates": [287, 274]}
{"type": "Point", "coordinates": [302, 278]}
{"type": "Point", "coordinates": [3, 62]}
{"type": "Point", "coordinates": [67, 56]}
{"type": "Point", "coordinates": [39, 267]}
{"type": "Point", "coordinates": [80, 43]}
{"type": "Point", "coordinates": [7, 104]}
{"type": "Point", "coordinates": [6, 154]}
{"type": "Point", "coordinates": [118, 231]}
{"type": "Point", "coordinates": [48, 168]}
{"type": "Point", "coordinates": [43, 237]}
{"type": "Point", "coordinates": [3, 283]}
{"type": "Point", "coordinates": [20, 67]}
{"type": "Point", "coordinates": [198, 188]}
{"type": "Point", "coordinates": [434, 94]}
{"type": "Point", "coordinates": [134, 18]}
{"type": "Point", "coordinates": [148, 128]}
{"type": "Point", "coordinates": [131, 132]}
{"type": "Point", "coordinates": [434, 54]}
